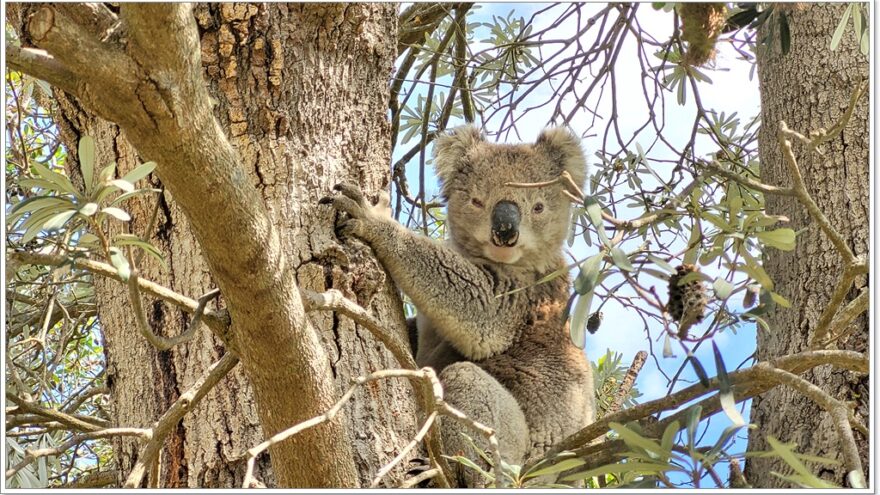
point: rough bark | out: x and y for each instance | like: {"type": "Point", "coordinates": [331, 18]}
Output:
{"type": "Point", "coordinates": [809, 88]}
{"type": "Point", "coordinates": [300, 93]}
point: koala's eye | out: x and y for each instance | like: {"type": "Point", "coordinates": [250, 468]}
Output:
{"type": "Point", "coordinates": [476, 202]}
{"type": "Point", "coordinates": [538, 208]}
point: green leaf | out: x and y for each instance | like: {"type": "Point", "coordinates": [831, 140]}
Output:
{"type": "Point", "coordinates": [118, 260]}
{"type": "Point", "coordinates": [782, 239]}
{"type": "Point", "coordinates": [841, 27]}
{"type": "Point", "coordinates": [87, 161]}
{"type": "Point", "coordinates": [634, 440]}
{"type": "Point", "coordinates": [37, 203]}
{"type": "Point", "coordinates": [620, 259]}
{"type": "Point", "coordinates": [784, 33]}
{"type": "Point", "coordinates": [667, 347]}
{"type": "Point", "coordinates": [139, 172]}
{"type": "Point", "coordinates": [559, 467]}
{"type": "Point", "coordinates": [88, 209]}
{"type": "Point", "coordinates": [586, 280]}
{"type": "Point", "coordinates": [669, 435]}
{"type": "Point", "coordinates": [34, 224]}
{"type": "Point", "coordinates": [123, 185]}
{"type": "Point", "coordinates": [106, 173]}
{"type": "Point", "coordinates": [61, 182]}
{"type": "Point", "coordinates": [578, 327]}
{"type": "Point", "coordinates": [692, 254]}
{"type": "Point", "coordinates": [693, 422]}
{"type": "Point", "coordinates": [787, 454]}
{"type": "Point", "coordinates": [662, 264]}
{"type": "Point", "coordinates": [117, 213]}
{"type": "Point", "coordinates": [58, 221]}
{"type": "Point", "coordinates": [133, 240]}
{"type": "Point", "coordinates": [621, 468]}
{"type": "Point", "coordinates": [778, 299]}
{"type": "Point", "coordinates": [132, 194]}
{"type": "Point", "coordinates": [594, 211]}
{"type": "Point", "coordinates": [699, 370]}
{"type": "Point", "coordinates": [722, 288]}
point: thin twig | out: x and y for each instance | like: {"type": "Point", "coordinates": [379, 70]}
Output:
{"type": "Point", "coordinates": [32, 455]}
{"type": "Point", "coordinates": [423, 476]}
{"type": "Point", "coordinates": [216, 320]}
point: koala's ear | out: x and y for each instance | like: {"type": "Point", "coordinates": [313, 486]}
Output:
{"type": "Point", "coordinates": [564, 149]}
{"type": "Point", "coordinates": [450, 148]}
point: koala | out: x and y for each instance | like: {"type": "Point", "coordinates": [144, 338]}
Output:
{"type": "Point", "coordinates": [497, 337]}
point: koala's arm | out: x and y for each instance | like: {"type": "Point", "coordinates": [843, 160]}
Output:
{"type": "Point", "coordinates": [456, 295]}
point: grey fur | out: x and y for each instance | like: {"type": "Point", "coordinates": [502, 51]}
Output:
{"type": "Point", "coordinates": [504, 358]}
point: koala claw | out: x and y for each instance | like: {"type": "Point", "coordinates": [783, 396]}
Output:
{"type": "Point", "coordinates": [350, 191]}
{"type": "Point", "coordinates": [349, 228]}
{"type": "Point", "coordinates": [346, 205]}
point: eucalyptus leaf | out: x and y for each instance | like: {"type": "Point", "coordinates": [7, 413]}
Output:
{"type": "Point", "coordinates": [122, 184]}
{"type": "Point", "coordinates": [58, 221]}
{"type": "Point", "coordinates": [578, 325]}
{"type": "Point", "coordinates": [87, 161]}
{"type": "Point", "coordinates": [117, 213]}
{"type": "Point", "coordinates": [120, 262]}
{"type": "Point", "coordinates": [88, 209]}
{"type": "Point", "coordinates": [620, 259]}
{"type": "Point", "coordinates": [841, 27]}
{"type": "Point", "coordinates": [139, 172]}
{"type": "Point", "coordinates": [782, 239]}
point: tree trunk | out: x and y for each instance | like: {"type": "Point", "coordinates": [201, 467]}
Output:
{"type": "Point", "coordinates": [809, 88]}
{"type": "Point", "coordinates": [301, 94]}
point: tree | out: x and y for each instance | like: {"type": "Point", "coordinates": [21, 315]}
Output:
{"type": "Point", "coordinates": [808, 87]}
{"type": "Point", "coordinates": [238, 212]}
{"type": "Point", "coordinates": [212, 268]}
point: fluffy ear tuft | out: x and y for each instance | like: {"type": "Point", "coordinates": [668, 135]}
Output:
{"type": "Point", "coordinates": [564, 149]}
{"type": "Point", "coordinates": [450, 149]}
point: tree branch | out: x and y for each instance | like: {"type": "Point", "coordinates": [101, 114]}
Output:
{"type": "Point", "coordinates": [216, 320]}
{"type": "Point", "coordinates": [41, 65]}
{"type": "Point", "coordinates": [420, 20]}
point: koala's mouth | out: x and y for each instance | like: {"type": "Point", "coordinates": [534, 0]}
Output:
{"type": "Point", "coordinates": [499, 254]}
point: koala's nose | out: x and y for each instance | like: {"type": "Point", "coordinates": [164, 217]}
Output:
{"type": "Point", "coordinates": [505, 224]}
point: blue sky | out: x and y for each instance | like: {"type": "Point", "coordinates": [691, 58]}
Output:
{"type": "Point", "coordinates": [731, 91]}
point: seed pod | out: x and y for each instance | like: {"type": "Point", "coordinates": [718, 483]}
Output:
{"type": "Point", "coordinates": [594, 322]}
{"type": "Point", "coordinates": [701, 23]}
{"type": "Point", "coordinates": [751, 295]}
{"type": "Point", "coordinates": [687, 303]}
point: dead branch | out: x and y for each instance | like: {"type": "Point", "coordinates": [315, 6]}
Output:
{"type": "Point", "coordinates": [628, 381]}
{"type": "Point", "coordinates": [75, 422]}
{"type": "Point", "coordinates": [714, 168]}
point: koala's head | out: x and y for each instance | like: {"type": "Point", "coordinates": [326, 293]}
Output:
{"type": "Point", "coordinates": [512, 225]}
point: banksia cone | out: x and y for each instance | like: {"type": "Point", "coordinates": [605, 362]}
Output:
{"type": "Point", "coordinates": [701, 23]}
{"type": "Point", "coordinates": [686, 302]}
{"type": "Point", "coordinates": [594, 322]}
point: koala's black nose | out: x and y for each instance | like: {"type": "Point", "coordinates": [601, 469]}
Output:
{"type": "Point", "coordinates": [505, 224]}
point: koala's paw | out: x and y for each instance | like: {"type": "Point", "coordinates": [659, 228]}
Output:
{"type": "Point", "coordinates": [351, 201]}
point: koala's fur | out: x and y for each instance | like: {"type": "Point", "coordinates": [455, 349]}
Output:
{"type": "Point", "coordinates": [505, 359]}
